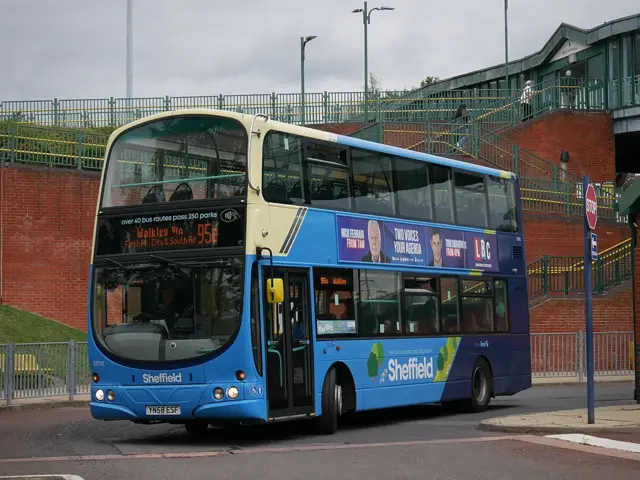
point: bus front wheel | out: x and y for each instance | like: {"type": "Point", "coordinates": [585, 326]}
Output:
{"type": "Point", "coordinates": [327, 423]}
{"type": "Point", "coordinates": [196, 429]}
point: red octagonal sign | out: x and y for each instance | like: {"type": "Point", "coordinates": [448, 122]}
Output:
{"type": "Point", "coordinates": [591, 207]}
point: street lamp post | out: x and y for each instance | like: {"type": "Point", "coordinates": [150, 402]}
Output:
{"type": "Point", "coordinates": [506, 46]}
{"type": "Point", "coordinates": [366, 19]}
{"type": "Point", "coordinates": [129, 48]}
{"type": "Point", "coordinates": [303, 43]}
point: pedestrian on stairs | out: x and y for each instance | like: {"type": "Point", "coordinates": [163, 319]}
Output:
{"type": "Point", "coordinates": [525, 99]}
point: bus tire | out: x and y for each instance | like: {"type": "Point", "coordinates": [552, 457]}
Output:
{"type": "Point", "coordinates": [196, 429]}
{"type": "Point", "coordinates": [481, 386]}
{"type": "Point", "coordinates": [327, 422]}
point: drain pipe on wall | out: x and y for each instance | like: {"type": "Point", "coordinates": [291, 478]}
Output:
{"type": "Point", "coordinates": [2, 165]}
{"type": "Point", "coordinates": [636, 369]}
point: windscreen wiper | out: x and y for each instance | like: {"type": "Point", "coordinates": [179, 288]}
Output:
{"type": "Point", "coordinates": [167, 261]}
{"type": "Point", "coordinates": [176, 265]}
{"type": "Point", "coordinates": [117, 264]}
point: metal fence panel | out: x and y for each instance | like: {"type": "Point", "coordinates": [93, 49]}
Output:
{"type": "Point", "coordinates": [40, 370]}
{"type": "Point", "coordinates": [3, 391]}
{"type": "Point", "coordinates": [82, 370]}
{"type": "Point", "coordinates": [555, 354]}
{"type": "Point", "coordinates": [60, 369]}
{"type": "Point", "coordinates": [613, 353]}
{"type": "Point", "coordinates": [564, 354]}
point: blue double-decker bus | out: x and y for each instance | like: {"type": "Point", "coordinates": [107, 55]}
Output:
{"type": "Point", "coordinates": [246, 270]}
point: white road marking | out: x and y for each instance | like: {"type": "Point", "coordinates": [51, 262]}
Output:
{"type": "Point", "coordinates": [244, 451]}
{"type": "Point", "coordinates": [598, 442]}
{"type": "Point", "coordinates": [52, 477]}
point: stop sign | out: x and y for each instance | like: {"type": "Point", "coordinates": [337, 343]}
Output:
{"type": "Point", "coordinates": [591, 206]}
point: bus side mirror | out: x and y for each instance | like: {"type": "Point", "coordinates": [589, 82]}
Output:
{"type": "Point", "coordinates": [275, 290]}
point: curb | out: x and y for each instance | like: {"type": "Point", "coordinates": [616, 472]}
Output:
{"type": "Point", "coordinates": [549, 429]}
{"type": "Point", "coordinates": [42, 406]}
{"type": "Point", "coordinates": [571, 383]}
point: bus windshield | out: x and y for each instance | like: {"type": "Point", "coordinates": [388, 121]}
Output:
{"type": "Point", "coordinates": [189, 157]}
{"type": "Point", "coordinates": [167, 312]}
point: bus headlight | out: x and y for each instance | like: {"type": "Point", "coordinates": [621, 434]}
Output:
{"type": "Point", "coordinates": [218, 393]}
{"type": "Point", "coordinates": [111, 395]}
{"type": "Point", "coordinates": [100, 395]}
{"type": "Point", "coordinates": [232, 392]}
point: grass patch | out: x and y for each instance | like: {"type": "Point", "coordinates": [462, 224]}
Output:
{"type": "Point", "coordinates": [18, 326]}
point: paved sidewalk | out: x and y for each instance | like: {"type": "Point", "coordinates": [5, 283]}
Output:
{"type": "Point", "coordinates": [44, 402]}
{"type": "Point", "coordinates": [572, 379]}
{"type": "Point", "coordinates": [618, 418]}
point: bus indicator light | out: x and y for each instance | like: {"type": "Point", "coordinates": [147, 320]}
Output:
{"type": "Point", "coordinates": [218, 393]}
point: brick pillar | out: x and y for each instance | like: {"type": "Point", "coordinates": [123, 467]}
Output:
{"type": "Point", "coordinates": [636, 303]}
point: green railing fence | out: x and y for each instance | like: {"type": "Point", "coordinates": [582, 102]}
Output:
{"type": "Point", "coordinates": [335, 107]}
{"type": "Point", "coordinates": [326, 107]}
{"type": "Point", "coordinates": [53, 147]}
{"type": "Point", "coordinates": [561, 93]}
{"type": "Point", "coordinates": [562, 275]}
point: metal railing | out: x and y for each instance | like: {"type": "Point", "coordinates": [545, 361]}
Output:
{"type": "Point", "coordinates": [564, 354]}
{"type": "Point", "coordinates": [62, 369]}
{"type": "Point", "coordinates": [29, 370]}
{"type": "Point", "coordinates": [53, 147]}
{"type": "Point", "coordinates": [324, 107]}
{"type": "Point", "coordinates": [565, 275]}
{"type": "Point", "coordinates": [492, 106]}
{"type": "Point", "coordinates": [546, 96]}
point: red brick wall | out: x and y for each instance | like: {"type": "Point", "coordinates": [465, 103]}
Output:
{"type": "Point", "coordinates": [564, 236]}
{"type": "Point", "coordinates": [47, 228]}
{"type": "Point", "coordinates": [611, 312]}
{"type": "Point", "coordinates": [339, 128]}
{"type": "Point", "coordinates": [588, 137]}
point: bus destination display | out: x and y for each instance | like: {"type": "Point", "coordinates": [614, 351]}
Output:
{"type": "Point", "coordinates": [174, 231]}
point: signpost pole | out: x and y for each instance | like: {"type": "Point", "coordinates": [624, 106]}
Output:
{"type": "Point", "coordinates": [590, 217]}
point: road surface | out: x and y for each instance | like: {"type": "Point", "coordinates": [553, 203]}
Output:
{"type": "Point", "coordinates": [421, 442]}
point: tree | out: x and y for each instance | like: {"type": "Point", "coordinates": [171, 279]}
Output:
{"type": "Point", "coordinates": [428, 80]}
{"type": "Point", "coordinates": [374, 83]}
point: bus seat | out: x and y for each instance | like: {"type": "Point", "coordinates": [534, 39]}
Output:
{"type": "Point", "coordinates": [155, 194]}
{"type": "Point", "coordinates": [324, 192]}
{"type": "Point", "coordinates": [296, 192]}
{"type": "Point", "coordinates": [276, 191]}
{"type": "Point", "coordinates": [182, 192]}
{"type": "Point", "coordinates": [344, 192]}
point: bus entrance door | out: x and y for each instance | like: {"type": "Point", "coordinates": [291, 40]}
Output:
{"type": "Point", "coordinates": [288, 346]}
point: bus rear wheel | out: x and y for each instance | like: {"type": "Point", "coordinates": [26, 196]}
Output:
{"type": "Point", "coordinates": [481, 386]}
{"type": "Point", "coordinates": [332, 402]}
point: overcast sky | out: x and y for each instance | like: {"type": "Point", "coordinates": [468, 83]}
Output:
{"type": "Point", "coordinates": [77, 48]}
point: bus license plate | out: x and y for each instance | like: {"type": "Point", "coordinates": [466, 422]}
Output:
{"type": "Point", "coordinates": [163, 410]}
